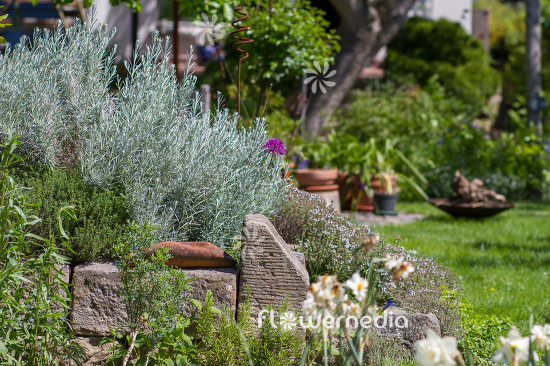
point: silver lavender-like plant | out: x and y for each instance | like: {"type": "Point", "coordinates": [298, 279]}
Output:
{"type": "Point", "coordinates": [186, 171]}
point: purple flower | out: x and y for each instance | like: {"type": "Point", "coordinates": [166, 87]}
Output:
{"type": "Point", "coordinates": [362, 185]}
{"type": "Point", "coordinates": [274, 147]}
{"type": "Point", "coordinates": [303, 164]}
{"type": "Point", "coordinates": [441, 141]}
{"type": "Point", "coordinates": [547, 146]}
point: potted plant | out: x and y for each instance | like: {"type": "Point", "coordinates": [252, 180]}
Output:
{"type": "Point", "coordinates": [385, 158]}
{"type": "Point", "coordinates": [353, 159]}
{"type": "Point", "coordinates": [316, 166]}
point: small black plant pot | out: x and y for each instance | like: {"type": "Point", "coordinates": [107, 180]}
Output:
{"type": "Point", "coordinates": [385, 203]}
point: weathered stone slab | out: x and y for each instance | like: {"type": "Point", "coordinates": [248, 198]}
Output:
{"type": "Point", "coordinates": [221, 281]}
{"type": "Point", "coordinates": [95, 354]}
{"type": "Point", "coordinates": [97, 307]}
{"type": "Point", "coordinates": [196, 254]}
{"type": "Point", "coordinates": [417, 324]}
{"type": "Point", "coordinates": [269, 268]}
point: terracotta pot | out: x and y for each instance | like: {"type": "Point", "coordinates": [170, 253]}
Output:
{"type": "Point", "coordinates": [350, 194]}
{"type": "Point", "coordinates": [316, 177]}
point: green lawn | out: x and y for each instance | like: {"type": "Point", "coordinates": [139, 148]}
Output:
{"type": "Point", "coordinates": [504, 261]}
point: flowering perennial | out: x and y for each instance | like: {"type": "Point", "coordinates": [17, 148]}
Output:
{"type": "Point", "coordinates": [436, 351]}
{"type": "Point", "coordinates": [274, 147]}
{"type": "Point", "coordinates": [514, 347]}
{"type": "Point", "coordinates": [398, 267]}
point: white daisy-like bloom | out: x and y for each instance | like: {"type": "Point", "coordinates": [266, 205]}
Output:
{"type": "Point", "coordinates": [358, 285]}
{"type": "Point", "coordinates": [436, 351]}
{"type": "Point", "coordinates": [541, 335]}
{"type": "Point", "coordinates": [399, 268]}
{"type": "Point", "coordinates": [309, 304]}
{"type": "Point", "coordinates": [370, 242]}
{"type": "Point", "coordinates": [514, 345]}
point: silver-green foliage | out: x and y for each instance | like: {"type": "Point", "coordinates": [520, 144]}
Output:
{"type": "Point", "coordinates": [53, 90]}
{"type": "Point", "coordinates": [187, 171]}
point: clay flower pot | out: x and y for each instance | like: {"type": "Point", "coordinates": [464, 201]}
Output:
{"type": "Point", "coordinates": [350, 194]}
{"type": "Point", "coordinates": [316, 177]}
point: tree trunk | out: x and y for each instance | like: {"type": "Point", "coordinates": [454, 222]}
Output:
{"type": "Point", "coordinates": [364, 30]}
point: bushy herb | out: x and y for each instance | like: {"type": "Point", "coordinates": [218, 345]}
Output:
{"type": "Point", "coordinates": [329, 242]}
{"type": "Point", "coordinates": [102, 219]}
{"type": "Point", "coordinates": [53, 89]}
{"type": "Point", "coordinates": [327, 239]}
{"type": "Point", "coordinates": [219, 343]}
{"type": "Point", "coordinates": [153, 293]}
{"type": "Point", "coordinates": [423, 292]}
{"type": "Point", "coordinates": [34, 297]}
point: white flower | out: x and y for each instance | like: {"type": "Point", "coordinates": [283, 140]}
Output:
{"type": "Point", "coordinates": [513, 345]}
{"type": "Point", "coordinates": [370, 242]}
{"type": "Point", "coordinates": [358, 285]}
{"type": "Point", "coordinates": [309, 303]}
{"type": "Point", "coordinates": [436, 351]}
{"type": "Point", "coordinates": [541, 335]}
{"type": "Point", "coordinates": [399, 268]}
{"type": "Point", "coordinates": [288, 321]}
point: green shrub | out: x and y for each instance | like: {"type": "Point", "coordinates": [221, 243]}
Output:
{"type": "Point", "coordinates": [190, 173]}
{"type": "Point", "coordinates": [423, 48]}
{"type": "Point", "coordinates": [329, 242]}
{"type": "Point", "coordinates": [34, 297]}
{"type": "Point", "coordinates": [218, 341]}
{"type": "Point", "coordinates": [480, 333]}
{"type": "Point", "coordinates": [102, 220]}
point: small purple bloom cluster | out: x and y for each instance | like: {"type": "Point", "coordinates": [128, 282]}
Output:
{"type": "Point", "coordinates": [274, 147]}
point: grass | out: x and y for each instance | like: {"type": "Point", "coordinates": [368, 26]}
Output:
{"type": "Point", "coordinates": [504, 261]}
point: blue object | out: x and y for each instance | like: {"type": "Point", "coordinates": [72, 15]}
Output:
{"type": "Point", "coordinates": [388, 304]}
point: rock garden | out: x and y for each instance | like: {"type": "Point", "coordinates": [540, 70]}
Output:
{"type": "Point", "coordinates": [138, 226]}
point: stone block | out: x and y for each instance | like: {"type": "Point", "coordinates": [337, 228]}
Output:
{"type": "Point", "coordinates": [96, 306]}
{"type": "Point", "coordinates": [417, 325]}
{"type": "Point", "coordinates": [269, 268]}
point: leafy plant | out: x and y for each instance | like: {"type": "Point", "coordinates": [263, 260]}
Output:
{"type": "Point", "coordinates": [2, 17]}
{"type": "Point", "coordinates": [154, 294]}
{"type": "Point", "coordinates": [384, 162]}
{"type": "Point", "coordinates": [220, 339]}
{"type": "Point", "coordinates": [288, 38]}
{"type": "Point", "coordinates": [102, 217]}
{"type": "Point", "coordinates": [34, 297]}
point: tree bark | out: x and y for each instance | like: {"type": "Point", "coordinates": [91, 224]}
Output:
{"type": "Point", "coordinates": [364, 30]}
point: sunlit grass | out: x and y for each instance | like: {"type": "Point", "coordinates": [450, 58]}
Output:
{"type": "Point", "coordinates": [504, 261]}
